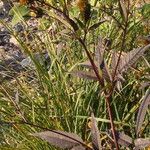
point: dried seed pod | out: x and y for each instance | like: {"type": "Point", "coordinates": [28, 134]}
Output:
{"type": "Point", "coordinates": [85, 9]}
{"type": "Point", "coordinates": [23, 2]}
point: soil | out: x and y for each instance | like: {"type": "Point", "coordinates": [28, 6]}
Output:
{"type": "Point", "coordinates": [12, 60]}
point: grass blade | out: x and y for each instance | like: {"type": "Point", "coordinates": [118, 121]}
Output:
{"type": "Point", "coordinates": [142, 111]}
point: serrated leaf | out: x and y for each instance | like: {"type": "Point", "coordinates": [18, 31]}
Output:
{"type": "Point", "coordinates": [95, 134]}
{"type": "Point", "coordinates": [142, 111]}
{"type": "Point", "coordinates": [96, 25]}
{"type": "Point", "coordinates": [85, 75]}
{"type": "Point", "coordinates": [99, 61]}
{"type": "Point", "coordinates": [114, 59]}
{"type": "Point", "coordinates": [60, 139]}
{"type": "Point", "coordinates": [99, 53]}
{"type": "Point", "coordinates": [124, 139]}
{"type": "Point", "coordinates": [114, 69]}
{"type": "Point", "coordinates": [141, 143]}
{"type": "Point", "coordinates": [131, 58]}
{"type": "Point", "coordinates": [103, 67]}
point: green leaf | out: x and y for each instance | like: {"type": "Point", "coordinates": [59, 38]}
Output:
{"type": "Point", "coordinates": [18, 12]}
{"type": "Point", "coordinates": [146, 11]}
{"type": "Point", "coordinates": [80, 23]}
{"type": "Point", "coordinates": [96, 25]}
{"type": "Point", "coordinates": [44, 23]}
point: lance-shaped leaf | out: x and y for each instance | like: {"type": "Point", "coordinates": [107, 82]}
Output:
{"type": "Point", "coordinates": [142, 111]}
{"type": "Point", "coordinates": [95, 134]}
{"type": "Point", "coordinates": [96, 25]}
{"type": "Point", "coordinates": [86, 64]}
{"type": "Point", "coordinates": [99, 53]}
{"type": "Point", "coordinates": [91, 75]}
{"type": "Point", "coordinates": [99, 61]}
{"type": "Point", "coordinates": [124, 139]}
{"type": "Point", "coordinates": [105, 71]}
{"type": "Point", "coordinates": [62, 17]}
{"type": "Point", "coordinates": [85, 75]}
{"type": "Point", "coordinates": [123, 9]}
{"type": "Point", "coordinates": [60, 139]}
{"type": "Point", "coordinates": [114, 67]}
{"type": "Point", "coordinates": [114, 59]}
{"type": "Point", "coordinates": [131, 58]}
{"type": "Point", "coordinates": [141, 143]}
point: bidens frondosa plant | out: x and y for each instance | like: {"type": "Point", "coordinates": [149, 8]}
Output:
{"type": "Point", "coordinates": [94, 61]}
